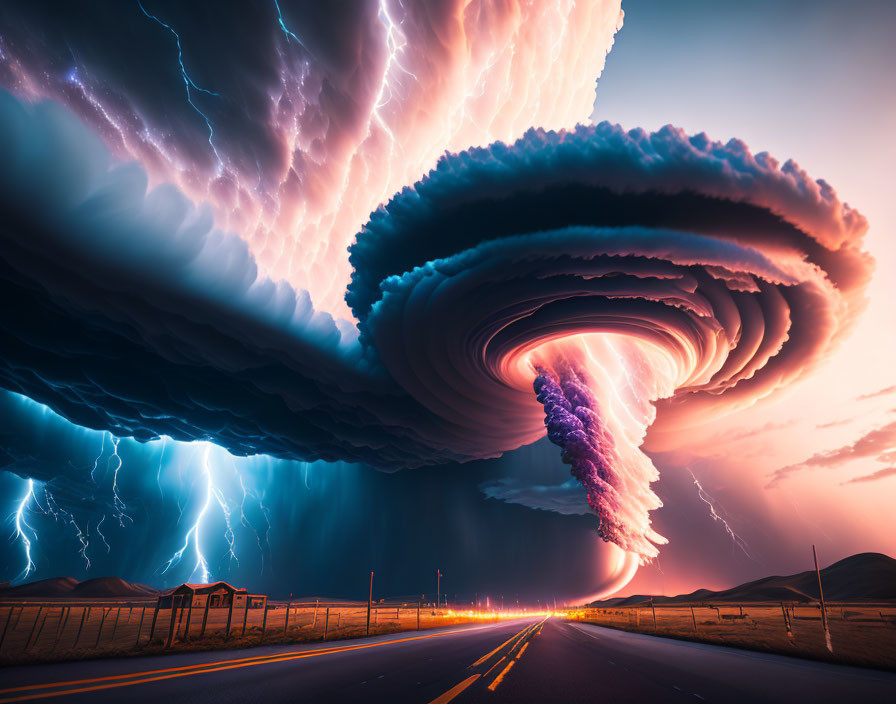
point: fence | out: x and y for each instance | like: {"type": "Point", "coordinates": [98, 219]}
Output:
{"type": "Point", "coordinates": [49, 630]}
{"type": "Point", "coordinates": [861, 633]}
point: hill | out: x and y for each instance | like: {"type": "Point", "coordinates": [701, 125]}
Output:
{"type": "Point", "coordinates": [69, 587]}
{"type": "Point", "coordinates": [868, 576]}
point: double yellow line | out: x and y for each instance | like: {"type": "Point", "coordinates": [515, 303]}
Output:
{"type": "Point", "coordinates": [522, 643]}
{"type": "Point", "coordinates": [522, 637]}
{"type": "Point", "coordinates": [56, 689]}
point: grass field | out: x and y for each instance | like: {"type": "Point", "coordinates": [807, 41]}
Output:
{"type": "Point", "coordinates": [51, 631]}
{"type": "Point", "coordinates": [860, 634]}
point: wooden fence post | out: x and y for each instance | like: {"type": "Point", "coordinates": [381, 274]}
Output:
{"type": "Point", "coordinates": [6, 626]}
{"type": "Point", "coordinates": [180, 617]}
{"type": "Point", "coordinates": [208, 601]}
{"type": "Point", "coordinates": [264, 621]}
{"type": "Point", "coordinates": [787, 621]}
{"type": "Point", "coordinates": [115, 625]}
{"type": "Point", "coordinates": [314, 620]}
{"type": "Point", "coordinates": [229, 617]}
{"type": "Point", "coordinates": [40, 611]}
{"type": "Point", "coordinates": [653, 609]}
{"type": "Point", "coordinates": [172, 623]}
{"type": "Point", "coordinates": [63, 622]}
{"type": "Point", "coordinates": [155, 616]}
{"type": "Point", "coordinates": [824, 611]}
{"type": "Point", "coordinates": [99, 633]}
{"type": "Point", "coordinates": [369, 599]}
{"type": "Point", "coordinates": [140, 626]}
{"type": "Point", "coordinates": [189, 618]}
{"type": "Point", "coordinates": [286, 623]}
{"type": "Point", "coordinates": [42, 625]}
{"type": "Point", "coordinates": [694, 619]}
{"type": "Point", "coordinates": [327, 623]}
{"type": "Point", "coordinates": [85, 613]}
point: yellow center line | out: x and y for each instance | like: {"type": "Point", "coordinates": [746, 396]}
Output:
{"type": "Point", "coordinates": [455, 690]}
{"type": "Point", "coordinates": [197, 669]}
{"type": "Point", "coordinates": [497, 664]}
{"type": "Point", "coordinates": [488, 655]}
{"type": "Point", "coordinates": [494, 685]}
{"type": "Point", "coordinates": [508, 655]}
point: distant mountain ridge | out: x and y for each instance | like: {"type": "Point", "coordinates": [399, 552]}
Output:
{"type": "Point", "coordinates": [69, 587]}
{"type": "Point", "coordinates": [868, 576]}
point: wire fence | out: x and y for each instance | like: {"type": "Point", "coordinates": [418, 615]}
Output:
{"type": "Point", "coordinates": [47, 630]}
{"type": "Point", "coordinates": [858, 633]}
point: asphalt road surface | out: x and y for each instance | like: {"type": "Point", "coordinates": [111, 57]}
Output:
{"type": "Point", "coordinates": [530, 660]}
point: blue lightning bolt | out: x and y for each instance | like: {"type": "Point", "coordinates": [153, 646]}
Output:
{"type": "Point", "coordinates": [23, 528]}
{"type": "Point", "coordinates": [201, 564]}
{"type": "Point", "coordinates": [260, 537]}
{"type": "Point", "coordinates": [117, 503]}
{"type": "Point", "coordinates": [159, 472]}
{"type": "Point", "coordinates": [189, 84]}
{"type": "Point", "coordinates": [59, 513]}
{"type": "Point", "coordinates": [103, 537]}
{"type": "Point", "coordinates": [98, 457]}
{"type": "Point", "coordinates": [226, 512]}
{"type": "Point", "coordinates": [286, 30]}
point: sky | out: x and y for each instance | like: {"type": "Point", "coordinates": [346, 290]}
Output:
{"type": "Point", "coordinates": [808, 81]}
{"type": "Point", "coordinates": [145, 313]}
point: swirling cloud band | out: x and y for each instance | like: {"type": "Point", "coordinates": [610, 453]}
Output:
{"type": "Point", "coordinates": [669, 273]}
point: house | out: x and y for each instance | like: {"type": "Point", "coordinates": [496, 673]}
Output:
{"type": "Point", "coordinates": [218, 595]}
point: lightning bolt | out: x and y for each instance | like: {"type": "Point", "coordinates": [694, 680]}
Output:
{"type": "Point", "coordinates": [709, 501]}
{"type": "Point", "coordinates": [190, 85]}
{"type": "Point", "coordinates": [226, 511]}
{"type": "Point", "coordinates": [159, 471]}
{"type": "Point", "coordinates": [261, 537]}
{"type": "Point", "coordinates": [195, 532]}
{"type": "Point", "coordinates": [117, 503]}
{"type": "Point", "coordinates": [22, 528]}
{"type": "Point", "coordinates": [103, 537]}
{"type": "Point", "coordinates": [395, 44]}
{"type": "Point", "coordinates": [286, 30]}
{"type": "Point", "coordinates": [59, 513]}
{"type": "Point", "coordinates": [98, 458]}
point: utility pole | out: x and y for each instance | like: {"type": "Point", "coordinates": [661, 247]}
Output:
{"type": "Point", "coordinates": [369, 601]}
{"type": "Point", "coordinates": [438, 587]}
{"type": "Point", "coordinates": [824, 613]}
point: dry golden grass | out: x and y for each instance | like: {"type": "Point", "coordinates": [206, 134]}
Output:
{"type": "Point", "coordinates": [32, 634]}
{"type": "Point", "coordinates": [862, 635]}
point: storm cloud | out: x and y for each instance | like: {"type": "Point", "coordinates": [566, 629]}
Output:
{"type": "Point", "coordinates": [725, 274]}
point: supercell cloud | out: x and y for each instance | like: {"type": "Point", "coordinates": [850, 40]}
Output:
{"type": "Point", "coordinates": [593, 281]}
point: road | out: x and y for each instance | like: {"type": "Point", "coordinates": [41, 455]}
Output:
{"type": "Point", "coordinates": [530, 660]}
